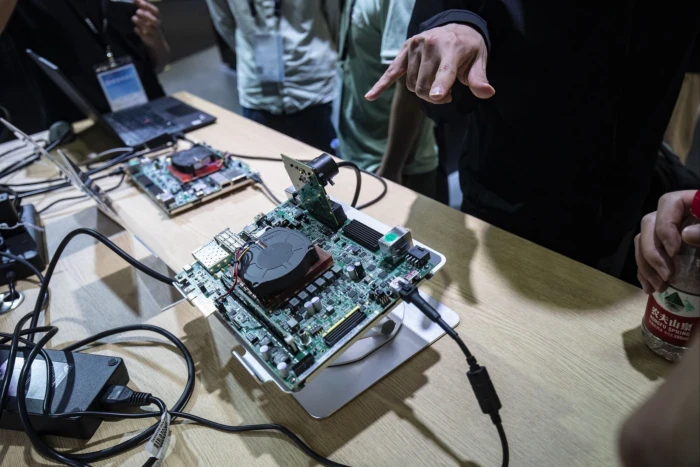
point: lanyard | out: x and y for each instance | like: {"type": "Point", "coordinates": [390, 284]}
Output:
{"type": "Point", "coordinates": [346, 38]}
{"type": "Point", "coordinates": [100, 34]}
{"type": "Point", "coordinates": [278, 10]}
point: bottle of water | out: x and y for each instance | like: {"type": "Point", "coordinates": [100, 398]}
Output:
{"type": "Point", "coordinates": [672, 316]}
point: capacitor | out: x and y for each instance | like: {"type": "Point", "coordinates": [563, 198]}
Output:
{"type": "Point", "coordinates": [359, 269]}
{"type": "Point", "coordinates": [350, 270]}
{"type": "Point", "coordinates": [316, 302]}
{"type": "Point", "coordinates": [282, 369]}
{"type": "Point", "coordinates": [309, 308]}
{"type": "Point", "coordinates": [265, 352]}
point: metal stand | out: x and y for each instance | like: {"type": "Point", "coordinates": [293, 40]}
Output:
{"type": "Point", "coordinates": [7, 304]}
{"type": "Point", "coordinates": [372, 358]}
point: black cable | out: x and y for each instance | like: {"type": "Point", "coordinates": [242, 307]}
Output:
{"type": "Point", "coordinates": [26, 263]}
{"type": "Point", "coordinates": [207, 423]}
{"type": "Point", "coordinates": [358, 177]}
{"type": "Point", "coordinates": [59, 186]}
{"type": "Point", "coordinates": [257, 179]}
{"type": "Point", "coordinates": [73, 198]}
{"type": "Point", "coordinates": [41, 182]}
{"type": "Point", "coordinates": [50, 377]}
{"type": "Point", "coordinates": [261, 427]}
{"type": "Point", "coordinates": [107, 242]}
{"type": "Point", "coordinates": [10, 151]}
{"type": "Point", "coordinates": [36, 155]}
{"type": "Point", "coordinates": [60, 200]}
{"type": "Point", "coordinates": [478, 376]}
{"type": "Point", "coordinates": [11, 284]}
{"type": "Point", "coordinates": [385, 188]}
{"type": "Point", "coordinates": [126, 157]}
{"type": "Point", "coordinates": [84, 458]}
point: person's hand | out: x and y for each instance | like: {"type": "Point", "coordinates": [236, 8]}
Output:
{"type": "Point", "coordinates": [147, 23]}
{"type": "Point", "coordinates": [434, 60]}
{"type": "Point", "coordinates": [660, 240]}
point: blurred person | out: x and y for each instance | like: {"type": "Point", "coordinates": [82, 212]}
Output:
{"type": "Point", "coordinates": [285, 63]}
{"type": "Point", "coordinates": [665, 430]}
{"type": "Point", "coordinates": [78, 36]}
{"type": "Point", "coordinates": [393, 136]}
{"type": "Point", "coordinates": [564, 118]}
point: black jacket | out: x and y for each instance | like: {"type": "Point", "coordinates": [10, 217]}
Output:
{"type": "Point", "coordinates": [563, 153]}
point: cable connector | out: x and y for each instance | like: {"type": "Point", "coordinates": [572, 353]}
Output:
{"type": "Point", "coordinates": [484, 390]}
{"type": "Point", "coordinates": [117, 396]}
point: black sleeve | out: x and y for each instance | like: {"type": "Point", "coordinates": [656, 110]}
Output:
{"type": "Point", "coordinates": [694, 65]}
{"type": "Point", "coordinates": [430, 14]}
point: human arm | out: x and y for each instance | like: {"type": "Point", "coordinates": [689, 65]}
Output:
{"type": "Point", "coordinates": [451, 46]}
{"type": "Point", "coordinates": [224, 21]}
{"type": "Point", "coordinates": [6, 9]}
{"type": "Point", "coordinates": [665, 430]}
{"type": "Point", "coordinates": [660, 238]}
{"type": "Point", "coordinates": [404, 129]}
{"type": "Point", "coordinates": [147, 26]}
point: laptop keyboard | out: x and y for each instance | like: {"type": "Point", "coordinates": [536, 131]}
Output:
{"type": "Point", "coordinates": [141, 119]}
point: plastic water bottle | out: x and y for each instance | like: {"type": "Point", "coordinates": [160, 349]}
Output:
{"type": "Point", "coordinates": [672, 316]}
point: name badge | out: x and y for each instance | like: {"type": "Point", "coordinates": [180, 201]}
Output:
{"type": "Point", "coordinates": [121, 84]}
{"type": "Point", "coordinates": [269, 63]}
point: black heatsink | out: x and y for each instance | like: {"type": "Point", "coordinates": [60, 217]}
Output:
{"type": "Point", "coordinates": [362, 234]}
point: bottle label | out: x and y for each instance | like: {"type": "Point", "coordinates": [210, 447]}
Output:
{"type": "Point", "coordinates": [672, 316]}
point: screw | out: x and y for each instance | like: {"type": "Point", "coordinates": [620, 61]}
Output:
{"type": "Point", "coordinates": [112, 362]}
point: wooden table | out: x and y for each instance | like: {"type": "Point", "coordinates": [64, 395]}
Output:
{"type": "Point", "coordinates": [561, 340]}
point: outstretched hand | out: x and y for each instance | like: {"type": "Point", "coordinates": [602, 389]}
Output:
{"type": "Point", "coordinates": [432, 61]}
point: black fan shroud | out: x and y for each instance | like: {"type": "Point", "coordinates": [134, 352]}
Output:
{"type": "Point", "coordinates": [280, 263]}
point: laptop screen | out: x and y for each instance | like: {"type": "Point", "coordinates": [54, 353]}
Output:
{"type": "Point", "coordinates": [55, 74]}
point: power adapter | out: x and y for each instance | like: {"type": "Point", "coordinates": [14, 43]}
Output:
{"type": "Point", "coordinates": [80, 381]}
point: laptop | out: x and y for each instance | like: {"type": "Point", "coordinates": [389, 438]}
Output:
{"type": "Point", "coordinates": [135, 125]}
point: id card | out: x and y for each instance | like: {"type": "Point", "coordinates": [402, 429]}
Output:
{"type": "Point", "coordinates": [121, 84]}
{"type": "Point", "coordinates": [269, 63]}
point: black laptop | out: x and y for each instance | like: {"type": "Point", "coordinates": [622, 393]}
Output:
{"type": "Point", "coordinates": [135, 125]}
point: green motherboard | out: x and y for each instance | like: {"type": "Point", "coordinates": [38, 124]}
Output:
{"type": "Point", "coordinates": [174, 192]}
{"type": "Point", "coordinates": [303, 282]}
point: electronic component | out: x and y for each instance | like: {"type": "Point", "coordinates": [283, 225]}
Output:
{"type": "Point", "coordinates": [359, 269]}
{"type": "Point", "coordinates": [304, 364]}
{"type": "Point", "coordinates": [395, 244]}
{"type": "Point", "coordinates": [351, 272]}
{"type": "Point", "coordinates": [184, 179]}
{"type": "Point", "coordinates": [212, 256]}
{"type": "Point", "coordinates": [265, 352]}
{"type": "Point", "coordinates": [293, 323]}
{"type": "Point", "coordinates": [343, 327]}
{"type": "Point", "coordinates": [283, 369]}
{"type": "Point", "coordinates": [309, 309]}
{"type": "Point", "coordinates": [278, 261]}
{"type": "Point", "coordinates": [293, 288]}
{"type": "Point", "coordinates": [418, 256]}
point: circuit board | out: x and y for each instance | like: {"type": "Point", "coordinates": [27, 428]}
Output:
{"type": "Point", "coordinates": [175, 193]}
{"type": "Point", "coordinates": [300, 333]}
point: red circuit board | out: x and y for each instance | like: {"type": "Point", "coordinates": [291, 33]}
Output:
{"type": "Point", "coordinates": [208, 169]}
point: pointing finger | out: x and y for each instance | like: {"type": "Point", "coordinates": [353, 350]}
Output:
{"type": "Point", "coordinates": [395, 71]}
